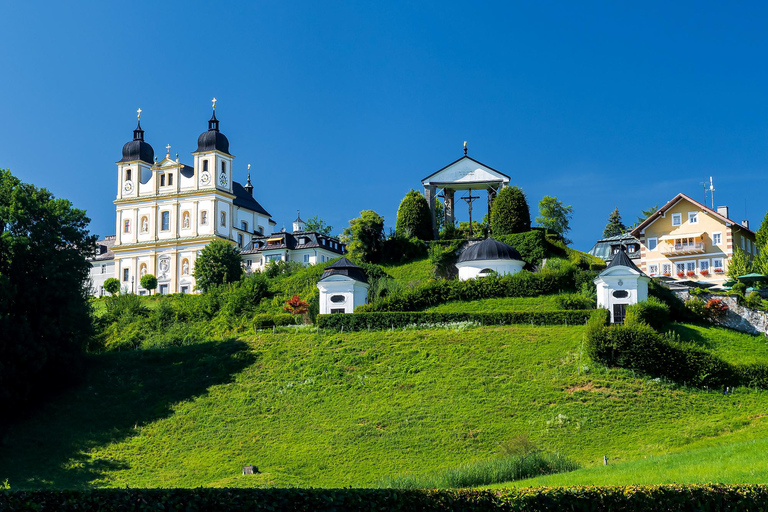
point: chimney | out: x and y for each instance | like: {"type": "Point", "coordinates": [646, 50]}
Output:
{"type": "Point", "coordinates": [723, 210]}
{"type": "Point", "coordinates": [745, 223]}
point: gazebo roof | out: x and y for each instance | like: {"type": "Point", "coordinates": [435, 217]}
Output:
{"type": "Point", "coordinates": [345, 268]}
{"type": "Point", "coordinates": [489, 249]}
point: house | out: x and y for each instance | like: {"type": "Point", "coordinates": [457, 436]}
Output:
{"type": "Point", "coordinates": [607, 248]}
{"type": "Point", "coordinates": [102, 265]}
{"type": "Point", "coordinates": [687, 240]}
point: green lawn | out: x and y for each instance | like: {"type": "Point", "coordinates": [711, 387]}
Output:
{"type": "Point", "coordinates": [331, 410]}
{"type": "Point", "coordinates": [411, 273]}
{"type": "Point", "coordinates": [543, 303]}
{"type": "Point", "coordinates": [734, 347]}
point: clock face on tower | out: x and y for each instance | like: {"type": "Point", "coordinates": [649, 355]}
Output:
{"type": "Point", "coordinates": [128, 186]}
{"type": "Point", "coordinates": [205, 178]}
{"type": "Point", "coordinates": [223, 180]}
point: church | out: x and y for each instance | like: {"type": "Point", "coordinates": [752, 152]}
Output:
{"type": "Point", "coordinates": [167, 212]}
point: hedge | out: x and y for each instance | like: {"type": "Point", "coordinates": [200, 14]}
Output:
{"type": "Point", "coordinates": [532, 245]}
{"type": "Point", "coordinates": [387, 320]}
{"type": "Point", "coordinates": [673, 498]}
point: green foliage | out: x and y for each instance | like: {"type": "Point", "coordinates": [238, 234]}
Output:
{"type": "Point", "coordinates": [761, 235]}
{"type": "Point", "coordinates": [219, 263]}
{"type": "Point", "coordinates": [479, 230]}
{"type": "Point", "coordinates": [696, 307]}
{"type": "Point", "coordinates": [317, 224]}
{"type": "Point", "coordinates": [365, 237]}
{"type": "Point", "coordinates": [397, 249]}
{"type": "Point", "coordinates": [615, 226]}
{"type": "Point", "coordinates": [267, 320]}
{"type": "Point", "coordinates": [44, 309]}
{"type": "Point", "coordinates": [148, 282]}
{"type": "Point", "coordinates": [393, 320]}
{"type": "Point", "coordinates": [532, 245]}
{"type": "Point", "coordinates": [443, 257]}
{"type": "Point", "coordinates": [510, 213]}
{"type": "Point", "coordinates": [281, 267]}
{"type": "Point", "coordinates": [575, 301]}
{"type": "Point", "coordinates": [111, 285]}
{"type": "Point", "coordinates": [652, 312]}
{"type": "Point", "coordinates": [740, 263]}
{"type": "Point", "coordinates": [644, 214]}
{"type": "Point", "coordinates": [739, 288]}
{"type": "Point", "coordinates": [555, 216]}
{"type": "Point", "coordinates": [677, 309]}
{"type": "Point", "coordinates": [414, 218]}
{"type": "Point", "coordinates": [753, 300]}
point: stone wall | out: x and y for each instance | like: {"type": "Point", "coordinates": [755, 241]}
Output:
{"type": "Point", "coordinates": [739, 318]}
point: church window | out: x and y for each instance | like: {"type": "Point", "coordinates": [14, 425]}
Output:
{"type": "Point", "coordinates": [127, 226]}
{"type": "Point", "coordinates": [205, 165]}
{"type": "Point", "coordinates": [127, 175]}
{"type": "Point", "coordinates": [162, 180]}
{"type": "Point", "coordinates": [239, 240]}
{"type": "Point", "coordinates": [223, 219]}
{"type": "Point", "coordinates": [223, 167]}
{"type": "Point", "coordinates": [165, 221]}
{"type": "Point", "coordinates": [126, 274]}
{"type": "Point", "coordinates": [204, 218]}
{"type": "Point", "coordinates": [244, 225]}
{"type": "Point", "coordinates": [170, 179]}
{"type": "Point", "coordinates": [185, 220]}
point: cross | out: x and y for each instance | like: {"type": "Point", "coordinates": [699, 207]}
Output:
{"type": "Point", "coordinates": [214, 103]}
{"type": "Point", "coordinates": [168, 148]}
{"type": "Point", "coordinates": [469, 200]}
{"type": "Point", "coordinates": [139, 112]}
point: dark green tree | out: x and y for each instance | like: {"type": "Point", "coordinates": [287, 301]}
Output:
{"type": "Point", "coordinates": [614, 226]}
{"type": "Point", "coordinates": [644, 214]}
{"type": "Point", "coordinates": [111, 285]}
{"type": "Point", "coordinates": [555, 216]}
{"type": "Point", "coordinates": [45, 316]}
{"type": "Point", "coordinates": [761, 235]}
{"type": "Point", "coordinates": [148, 282]}
{"type": "Point", "coordinates": [413, 217]}
{"type": "Point", "coordinates": [219, 263]}
{"type": "Point", "coordinates": [365, 237]}
{"type": "Point", "coordinates": [510, 213]}
{"type": "Point", "coordinates": [317, 224]}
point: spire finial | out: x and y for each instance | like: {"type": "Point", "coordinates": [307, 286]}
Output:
{"type": "Point", "coordinates": [168, 150]}
{"type": "Point", "coordinates": [249, 169]}
{"type": "Point", "coordinates": [139, 113]}
{"type": "Point", "coordinates": [248, 185]}
{"type": "Point", "coordinates": [465, 148]}
{"type": "Point", "coordinates": [214, 103]}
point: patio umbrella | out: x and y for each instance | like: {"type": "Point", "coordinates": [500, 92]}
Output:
{"type": "Point", "coordinates": [752, 278]}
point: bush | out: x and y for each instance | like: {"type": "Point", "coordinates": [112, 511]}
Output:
{"type": "Point", "coordinates": [574, 301]}
{"type": "Point", "coordinates": [443, 257]}
{"type": "Point", "coordinates": [677, 310]}
{"type": "Point", "coordinates": [111, 285]}
{"type": "Point", "coordinates": [715, 309]}
{"type": "Point", "coordinates": [696, 307]}
{"type": "Point", "coordinates": [739, 288]}
{"type": "Point", "coordinates": [532, 245]}
{"type": "Point", "coordinates": [398, 249]}
{"type": "Point", "coordinates": [509, 212]}
{"type": "Point", "coordinates": [267, 321]}
{"type": "Point", "coordinates": [652, 312]}
{"type": "Point", "coordinates": [754, 300]}
{"type": "Point", "coordinates": [414, 218]}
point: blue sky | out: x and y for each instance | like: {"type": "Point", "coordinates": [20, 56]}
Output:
{"type": "Point", "coordinates": [341, 107]}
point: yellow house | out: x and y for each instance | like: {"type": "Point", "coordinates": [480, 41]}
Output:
{"type": "Point", "coordinates": [687, 240]}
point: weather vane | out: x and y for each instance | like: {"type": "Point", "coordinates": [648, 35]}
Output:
{"type": "Point", "coordinates": [214, 103]}
{"type": "Point", "coordinates": [139, 112]}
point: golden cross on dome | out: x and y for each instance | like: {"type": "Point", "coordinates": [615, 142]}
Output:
{"type": "Point", "coordinates": [214, 103]}
{"type": "Point", "coordinates": [139, 112]}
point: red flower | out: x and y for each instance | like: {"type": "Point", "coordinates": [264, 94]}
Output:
{"type": "Point", "coordinates": [681, 274]}
{"type": "Point", "coordinates": [704, 272]}
{"type": "Point", "coordinates": [690, 273]}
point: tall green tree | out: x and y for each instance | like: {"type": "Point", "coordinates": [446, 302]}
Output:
{"type": "Point", "coordinates": [45, 316]}
{"type": "Point", "coordinates": [365, 237]}
{"type": "Point", "coordinates": [148, 282]}
{"type": "Point", "coordinates": [317, 224]}
{"type": "Point", "coordinates": [219, 263]}
{"type": "Point", "coordinates": [414, 217]}
{"type": "Point", "coordinates": [555, 216]}
{"type": "Point", "coordinates": [644, 214]}
{"type": "Point", "coordinates": [761, 235]}
{"type": "Point", "coordinates": [740, 264]}
{"type": "Point", "coordinates": [615, 226]}
{"type": "Point", "coordinates": [510, 213]}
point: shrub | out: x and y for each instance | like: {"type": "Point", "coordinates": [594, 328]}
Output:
{"type": "Point", "coordinates": [148, 282]}
{"type": "Point", "coordinates": [399, 249]}
{"type": "Point", "coordinates": [414, 218]}
{"type": "Point", "coordinates": [510, 213]}
{"type": "Point", "coordinates": [111, 285]}
{"type": "Point", "coordinates": [443, 257]}
{"type": "Point", "coordinates": [696, 307]}
{"type": "Point", "coordinates": [652, 312]}
{"type": "Point", "coordinates": [574, 301]}
{"type": "Point", "coordinates": [532, 245]}
{"type": "Point", "coordinates": [754, 300]}
{"type": "Point", "coordinates": [739, 288]}
{"type": "Point", "coordinates": [715, 309]}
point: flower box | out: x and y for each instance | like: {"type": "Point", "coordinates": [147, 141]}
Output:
{"type": "Point", "coordinates": [690, 273]}
{"type": "Point", "coordinates": [718, 271]}
{"type": "Point", "coordinates": [667, 274]}
{"type": "Point", "coordinates": [681, 274]}
{"type": "Point", "coordinates": [704, 272]}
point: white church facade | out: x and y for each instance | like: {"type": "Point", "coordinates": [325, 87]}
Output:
{"type": "Point", "coordinates": [167, 212]}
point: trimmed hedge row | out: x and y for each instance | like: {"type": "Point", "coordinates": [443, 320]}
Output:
{"type": "Point", "coordinates": [673, 498]}
{"type": "Point", "coordinates": [522, 284]}
{"type": "Point", "coordinates": [387, 320]}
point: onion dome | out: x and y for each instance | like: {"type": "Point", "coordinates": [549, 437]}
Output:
{"type": "Point", "coordinates": [213, 139]}
{"type": "Point", "coordinates": [346, 268]}
{"type": "Point", "coordinates": [137, 149]}
{"type": "Point", "coordinates": [490, 249]}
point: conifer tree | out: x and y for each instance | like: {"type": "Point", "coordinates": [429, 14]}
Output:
{"type": "Point", "coordinates": [740, 264]}
{"type": "Point", "coordinates": [414, 217]}
{"type": "Point", "coordinates": [615, 226]}
{"type": "Point", "coordinates": [510, 213]}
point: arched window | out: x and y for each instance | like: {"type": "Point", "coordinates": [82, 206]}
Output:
{"type": "Point", "coordinates": [486, 272]}
{"type": "Point", "coordinates": [127, 226]}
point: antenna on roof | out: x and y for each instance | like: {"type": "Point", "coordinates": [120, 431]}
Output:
{"type": "Point", "coordinates": [712, 192]}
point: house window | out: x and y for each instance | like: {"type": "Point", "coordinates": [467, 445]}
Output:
{"type": "Point", "coordinates": [244, 225]}
{"type": "Point", "coordinates": [165, 221]}
{"type": "Point", "coordinates": [163, 289]}
{"type": "Point", "coordinates": [690, 267]}
{"type": "Point", "coordinates": [126, 274]}
{"type": "Point", "coordinates": [677, 219]}
{"type": "Point", "coordinates": [619, 312]}
{"type": "Point", "coordinates": [680, 269]}
{"type": "Point", "coordinates": [185, 289]}
{"type": "Point", "coordinates": [743, 243]}
{"type": "Point", "coordinates": [653, 270]}
{"type": "Point", "coordinates": [717, 263]}
{"type": "Point", "coordinates": [306, 258]}
{"type": "Point", "coordinates": [693, 217]}
{"type": "Point", "coordinates": [204, 218]}
{"type": "Point", "coordinates": [223, 167]}
{"type": "Point", "coordinates": [749, 245]}
{"type": "Point", "coordinates": [717, 238]}
{"type": "Point", "coordinates": [248, 263]}
{"type": "Point", "coordinates": [127, 226]}
{"type": "Point", "coordinates": [162, 180]}
{"type": "Point", "coordinates": [703, 266]}
{"type": "Point", "coordinates": [223, 219]}
{"type": "Point", "coordinates": [652, 243]}
{"type": "Point", "coordinates": [666, 269]}
{"type": "Point", "coordinates": [239, 240]}
{"type": "Point", "coordinates": [127, 175]}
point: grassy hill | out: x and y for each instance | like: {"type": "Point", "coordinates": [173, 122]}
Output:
{"type": "Point", "coordinates": [327, 409]}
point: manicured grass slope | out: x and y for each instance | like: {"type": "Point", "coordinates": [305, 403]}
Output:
{"type": "Point", "coordinates": [543, 303]}
{"type": "Point", "coordinates": [332, 410]}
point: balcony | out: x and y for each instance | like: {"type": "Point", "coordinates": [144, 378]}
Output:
{"type": "Point", "coordinates": [683, 248]}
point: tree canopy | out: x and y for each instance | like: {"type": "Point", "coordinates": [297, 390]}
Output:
{"type": "Point", "coordinates": [740, 264]}
{"type": "Point", "coordinates": [44, 278]}
{"type": "Point", "coordinates": [148, 282]}
{"type": "Point", "coordinates": [414, 218]}
{"type": "Point", "coordinates": [365, 237]}
{"type": "Point", "coordinates": [219, 263]}
{"type": "Point", "coordinates": [111, 285]}
{"type": "Point", "coordinates": [315, 223]}
{"type": "Point", "coordinates": [555, 216]}
{"type": "Point", "coordinates": [510, 213]}
{"type": "Point", "coordinates": [615, 226]}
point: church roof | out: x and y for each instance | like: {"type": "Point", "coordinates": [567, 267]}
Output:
{"type": "Point", "coordinates": [489, 249]}
{"type": "Point", "coordinates": [346, 268]}
{"type": "Point", "coordinates": [213, 139]}
{"type": "Point", "coordinates": [245, 200]}
{"type": "Point", "coordinates": [137, 149]}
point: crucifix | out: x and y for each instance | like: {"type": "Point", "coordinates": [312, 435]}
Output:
{"type": "Point", "coordinates": [469, 199]}
{"type": "Point", "coordinates": [168, 148]}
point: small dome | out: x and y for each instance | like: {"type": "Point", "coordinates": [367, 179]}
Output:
{"type": "Point", "coordinates": [137, 149]}
{"type": "Point", "coordinates": [213, 139]}
{"type": "Point", "coordinates": [490, 249]}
